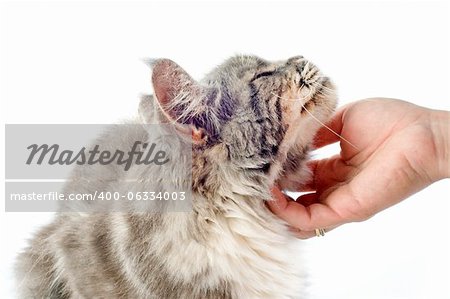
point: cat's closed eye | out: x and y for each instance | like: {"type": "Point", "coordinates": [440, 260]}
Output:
{"type": "Point", "coordinates": [263, 74]}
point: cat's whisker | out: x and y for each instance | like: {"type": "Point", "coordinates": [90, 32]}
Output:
{"type": "Point", "coordinates": [324, 92]}
{"type": "Point", "coordinates": [320, 86]}
{"type": "Point", "coordinates": [326, 89]}
{"type": "Point", "coordinates": [319, 121]}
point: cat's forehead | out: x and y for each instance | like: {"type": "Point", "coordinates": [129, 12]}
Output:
{"type": "Point", "coordinates": [240, 62]}
{"type": "Point", "coordinates": [236, 67]}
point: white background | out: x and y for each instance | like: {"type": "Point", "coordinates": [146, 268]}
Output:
{"type": "Point", "coordinates": [64, 62]}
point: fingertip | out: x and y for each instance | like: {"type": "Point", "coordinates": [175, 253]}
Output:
{"type": "Point", "coordinates": [279, 200]}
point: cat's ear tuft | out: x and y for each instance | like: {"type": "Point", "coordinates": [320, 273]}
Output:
{"type": "Point", "coordinates": [199, 135]}
{"type": "Point", "coordinates": [149, 61]}
{"type": "Point", "coordinates": [178, 94]}
{"type": "Point", "coordinates": [181, 98]}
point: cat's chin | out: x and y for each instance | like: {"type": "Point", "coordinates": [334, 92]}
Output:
{"type": "Point", "coordinates": [307, 107]}
{"type": "Point", "coordinates": [324, 101]}
{"type": "Point", "coordinates": [290, 171]}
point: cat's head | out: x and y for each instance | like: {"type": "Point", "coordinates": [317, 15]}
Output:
{"type": "Point", "coordinates": [248, 112]}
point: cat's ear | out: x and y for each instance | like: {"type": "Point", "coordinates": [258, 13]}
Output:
{"type": "Point", "coordinates": [181, 98]}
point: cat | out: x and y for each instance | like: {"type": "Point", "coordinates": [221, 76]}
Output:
{"type": "Point", "coordinates": [249, 130]}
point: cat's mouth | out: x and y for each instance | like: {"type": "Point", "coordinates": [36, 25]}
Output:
{"type": "Point", "coordinates": [323, 95]}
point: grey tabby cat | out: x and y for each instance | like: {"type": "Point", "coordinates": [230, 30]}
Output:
{"type": "Point", "coordinates": [249, 131]}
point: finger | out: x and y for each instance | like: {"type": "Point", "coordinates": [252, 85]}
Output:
{"type": "Point", "coordinates": [327, 173]}
{"type": "Point", "coordinates": [308, 199]}
{"type": "Point", "coordinates": [279, 201]}
{"type": "Point", "coordinates": [307, 234]}
{"type": "Point", "coordinates": [302, 234]}
{"type": "Point", "coordinates": [306, 218]}
{"type": "Point", "coordinates": [317, 215]}
{"type": "Point", "coordinates": [382, 183]}
{"type": "Point", "coordinates": [309, 185]}
{"type": "Point", "coordinates": [326, 135]}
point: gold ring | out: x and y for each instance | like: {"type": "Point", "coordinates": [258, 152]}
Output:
{"type": "Point", "coordinates": [320, 232]}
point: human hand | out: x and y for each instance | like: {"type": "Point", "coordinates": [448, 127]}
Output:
{"type": "Point", "coordinates": [401, 149]}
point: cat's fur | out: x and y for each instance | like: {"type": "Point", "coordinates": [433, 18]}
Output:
{"type": "Point", "coordinates": [230, 246]}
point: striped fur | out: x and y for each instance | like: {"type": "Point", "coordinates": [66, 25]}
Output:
{"type": "Point", "coordinates": [248, 115]}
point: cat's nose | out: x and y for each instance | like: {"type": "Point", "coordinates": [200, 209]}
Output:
{"type": "Point", "coordinates": [295, 59]}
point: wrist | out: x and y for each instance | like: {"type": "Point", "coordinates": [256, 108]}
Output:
{"type": "Point", "coordinates": [440, 125]}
